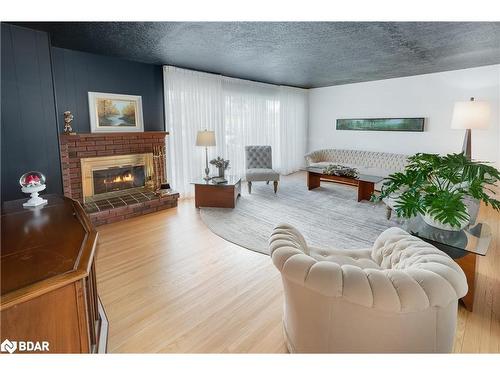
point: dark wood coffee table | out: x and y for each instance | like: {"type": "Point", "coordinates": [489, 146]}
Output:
{"type": "Point", "coordinates": [210, 194]}
{"type": "Point", "coordinates": [365, 183]}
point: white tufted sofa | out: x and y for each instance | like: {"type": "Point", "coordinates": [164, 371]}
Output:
{"type": "Point", "coordinates": [367, 162]}
{"type": "Point", "coordinates": [399, 296]}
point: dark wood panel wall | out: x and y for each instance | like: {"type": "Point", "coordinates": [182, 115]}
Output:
{"type": "Point", "coordinates": [40, 82]}
{"type": "Point", "coordinates": [29, 132]}
{"type": "Point", "coordinates": [76, 73]}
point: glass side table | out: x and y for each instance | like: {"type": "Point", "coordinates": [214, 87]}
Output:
{"type": "Point", "coordinates": [462, 246]}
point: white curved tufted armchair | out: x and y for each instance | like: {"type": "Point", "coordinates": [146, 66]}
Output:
{"type": "Point", "coordinates": [399, 296]}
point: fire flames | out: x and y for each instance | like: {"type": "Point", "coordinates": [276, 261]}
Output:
{"type": "Point", "coordinates": [127, 177]}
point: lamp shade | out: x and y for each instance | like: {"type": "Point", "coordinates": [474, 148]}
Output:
{"type": "Point", "coordinates": [471, 115]}
{"type": "Point", "coordinates": [205, 138]}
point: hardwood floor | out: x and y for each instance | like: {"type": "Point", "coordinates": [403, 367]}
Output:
{"type": "Point", "coordinates": [169, 284]}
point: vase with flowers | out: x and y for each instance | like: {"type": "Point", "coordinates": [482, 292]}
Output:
{"type": "Point", "coordinates": [220, 164]}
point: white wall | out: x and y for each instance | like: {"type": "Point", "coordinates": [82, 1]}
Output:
{"type": "Point", "coordinates": [431, 96]}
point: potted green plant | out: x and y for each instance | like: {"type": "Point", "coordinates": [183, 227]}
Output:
{"type": "Point", "coordinates": [437, 188]}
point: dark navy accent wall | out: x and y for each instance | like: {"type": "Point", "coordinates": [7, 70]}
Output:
{"type": "Point", "coordinates": [29, 131]}
{"type": "Point", "coordinates": [40, 82]}
{"type": "Point", "coordinates": [76, 73]}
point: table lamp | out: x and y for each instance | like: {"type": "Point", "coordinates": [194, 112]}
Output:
{"type": "Point", "coordinates": [206, 138]}
{"type": "Point", "coordinates": [470, 115]}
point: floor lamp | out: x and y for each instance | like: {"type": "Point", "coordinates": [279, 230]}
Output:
{"type": "Point", "coordinates": [206, 138]}
{"type": "Point", "coordinates": [470, 115]}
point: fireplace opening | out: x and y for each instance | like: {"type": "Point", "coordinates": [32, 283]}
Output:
{"type": "Point", "coordinates": [106, 176]}
{"type": "Point", "coordinates": [120, 178]}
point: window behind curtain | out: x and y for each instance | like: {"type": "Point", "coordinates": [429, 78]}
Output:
{"type": "Point", "coordinates": [241, 113]}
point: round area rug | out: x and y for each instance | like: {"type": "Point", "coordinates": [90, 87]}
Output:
{"type": "Point", "coordinates": [328, 216]}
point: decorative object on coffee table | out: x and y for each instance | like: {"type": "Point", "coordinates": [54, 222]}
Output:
{"type": "Point", "coordinates": [68, 119]}
{"type": "Point", "coordinates": [220, 164]}
{"type": "Point", "coordinates": [470, 115]}
{"type": "Point", "coordinates": [340, 170]}
{"type": "Point", "coordinates": [206, 138]}
{"type": "Point", "coordinates": [364, 183]}
{"type": "Point", "coordinates": [33, 183]}
{"type": "Point", "coordinates": [437, 187]}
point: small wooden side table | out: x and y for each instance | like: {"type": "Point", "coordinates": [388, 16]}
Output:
{"type": "Point", "coordinates": [210, 194]}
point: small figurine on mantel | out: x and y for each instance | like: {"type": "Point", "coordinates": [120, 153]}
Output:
{"type": "Point", "coordinates": [68, 118]}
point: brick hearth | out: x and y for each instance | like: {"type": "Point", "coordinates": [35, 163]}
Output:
{"type": "Point", "coordinates": [75, 147]}
{"type": "Point", "coordinates": [127, 206]}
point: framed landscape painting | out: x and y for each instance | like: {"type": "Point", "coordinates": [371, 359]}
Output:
{"type": "Point", "coordinates": [115, 112]}
{"type": "Point", "coordinates": [413, 124]}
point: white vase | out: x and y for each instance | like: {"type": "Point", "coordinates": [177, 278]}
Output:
{"type": "Point", "coordinates": [437, 224]}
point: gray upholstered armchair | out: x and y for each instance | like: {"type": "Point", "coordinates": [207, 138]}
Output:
{"type": "Point", "coordinates": [259, 164]}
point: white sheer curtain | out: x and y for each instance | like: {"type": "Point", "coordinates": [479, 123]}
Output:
{"type": "Point", "coordinates": [193, 101]}
{"type": "Point", "coordinates": [294, 117]}
{"type": "Point", "coordinates": [251, 117]}
{"type": "Point", "coordinates": [241, 113]}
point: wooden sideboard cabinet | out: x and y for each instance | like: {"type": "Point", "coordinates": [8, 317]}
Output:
{"type": "Point", "coordinates": [48, 280]}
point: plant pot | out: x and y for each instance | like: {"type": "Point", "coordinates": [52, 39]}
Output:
{"type": "Point", "coordinates": [437, 224]}
{"type": "Point", "coordinates": [221, 172]}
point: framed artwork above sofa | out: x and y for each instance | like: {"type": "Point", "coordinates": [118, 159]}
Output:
{"type": "Point", "coordinates": [411, 124]}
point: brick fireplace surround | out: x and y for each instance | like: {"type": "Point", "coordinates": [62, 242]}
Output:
{"type": "Point", "coordinates": [75, 147]}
